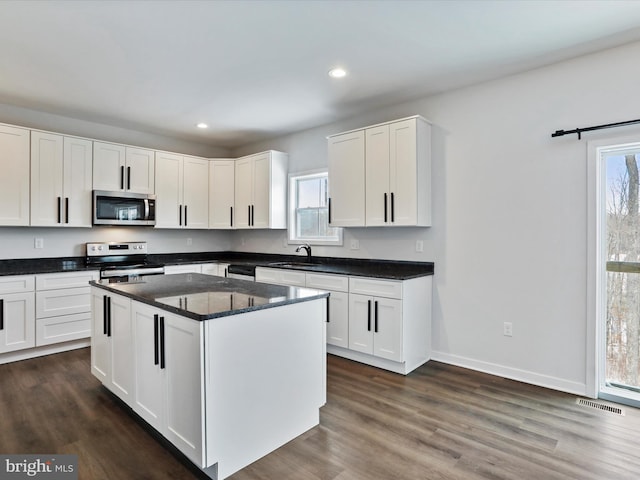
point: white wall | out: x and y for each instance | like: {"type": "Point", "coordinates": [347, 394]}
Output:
{"type": "Point", "coordinates": [18, 242]}
{"type": "Point", "coordinates": [510, 213]}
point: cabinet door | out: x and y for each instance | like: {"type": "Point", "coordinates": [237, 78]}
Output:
{"type": "Point", "coordinates": [121, 347]}
{"type": "Point", "coordinates": [183, 387]}
{"type": "Point", "coordinates": [148, 390]}
{"type": "Point", "coordinates": [100, 342]}
{"type": "Point", "coordinates": [261, 191]}
{"type": "Point", "coordinates": [78, 182]}
{"type": "Point", "coordinates": [243, 192]}
{"type": "Point", "coordinates": [14, 181]}
{"type": "Point", "coordinates": [403, 172]}
{"type": "Point", "coordinates": [338, 325]}
{"type": "Point", "coordinates": [361, 323]}
{"type": "Point", "coordinates": [346, 180]}
{"type": "Point", "coordinates": [196, 193]}
{"type": "Point", "coordinates": [169, 180]}
{"type": "Point", "coordinates": [221, 193]}
{"type": "Point", "coordinates": [17, 322]}
{"type": "Point", "coordinates": [140, 171]}
{"type": "Point", "coordinates": [47, 196]}
{"type": "Point", "coordinates": [378, 197]}
{"type": "Point", "coordinates": [387, 327]}
{"type": "Point", "coordinates": [108, 167]}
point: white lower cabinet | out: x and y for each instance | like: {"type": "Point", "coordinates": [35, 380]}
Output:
{"type": "Point", "coordinates": [188, 268]}
{"type": "Point", "coordinates": [17, 306]}
{"type": "Point", "coordinates": [169, 378]}
{"type": "Point", "coordinates": [112, 342]}
{"type": "Point", "coordinates": [375, 326]}
{"type": "Point", "coordinates": [63, 307]}
{"type": "Point", "coordinates": [380, 322]}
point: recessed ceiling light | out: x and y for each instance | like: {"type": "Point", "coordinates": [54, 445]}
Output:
{"type": "Point", "coordinates": [202, 125]}
{"type": "Point", "coordinates": [337, 72]}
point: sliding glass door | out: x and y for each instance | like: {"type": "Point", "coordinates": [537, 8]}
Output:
{"type": "Point", "coordinates": [619, 318]}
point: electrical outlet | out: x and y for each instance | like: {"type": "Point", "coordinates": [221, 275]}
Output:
{"type": "Point", "coordinates": [419, 246]}
{"type": "Point", "coordinates": [38, 243]}
{"type": "Point", "coordinates": [355, 244]}
{"type": "Point", "coordinates": [189, 241]}
{"type": "Point", "coordinates": [508, 329]}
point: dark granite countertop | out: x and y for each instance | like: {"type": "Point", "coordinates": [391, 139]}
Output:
{"type": "Point", "coordinates": [31, 266]}
{"type": "Point", "coordinates": [203, 297]}
{"type": "Point", "coordinates": [385, 269]}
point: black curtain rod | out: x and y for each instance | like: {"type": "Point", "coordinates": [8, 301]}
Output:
{"type": "Point", "coordinates": [579, 131]}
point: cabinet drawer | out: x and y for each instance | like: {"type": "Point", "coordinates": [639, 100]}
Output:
{"type": "Point", "coordinates": [190, 268]}
{"type": "Point", "coordinates": [375, 287]}
{"type": "Point", "coordinates": [54, 281]}
{"type": "Point", "coordinates": [279, 276]}
{"type": "Point", "coordinates": [63, 329]}
{"type": "Point", "coordinates": [210, 269]}
{"type": "Point", "coordinates": [53, 303]}
{"type": "Point", "coordinates": [17, 284]}
{"type": "Point", "coordinates": [337, 283]}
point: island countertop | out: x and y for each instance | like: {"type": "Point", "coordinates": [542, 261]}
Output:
{"type": "Point", "coordinates": [203, 297]}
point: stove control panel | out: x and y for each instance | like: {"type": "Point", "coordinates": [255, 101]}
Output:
{"type": "Point", "coordinates": [115, 248]}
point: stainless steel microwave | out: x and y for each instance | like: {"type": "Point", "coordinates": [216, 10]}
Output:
{"type": "Point", "coordinates": [123, 208]}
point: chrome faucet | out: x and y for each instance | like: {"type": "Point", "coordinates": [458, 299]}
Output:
{"type": "Point", "coordinates": [307, 247]}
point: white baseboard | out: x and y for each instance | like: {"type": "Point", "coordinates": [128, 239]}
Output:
{"type": "Point", "coordinates": [44, 350]}
{"type": "Point", "coordinates": [525, 376]}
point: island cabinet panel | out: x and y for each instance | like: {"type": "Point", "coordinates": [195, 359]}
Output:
{"type": "Point", "coordinates": [111, 342]}
{"type": "Point", "coordinates": [168, 391]}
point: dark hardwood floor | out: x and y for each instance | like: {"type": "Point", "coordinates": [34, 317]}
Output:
{"type": "Point", "coordinates": [438, 423]}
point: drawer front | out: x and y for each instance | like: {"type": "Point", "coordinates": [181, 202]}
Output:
{"type": "Point", "coordinates": [63, 329]}
{"type": "Point", "coordinates": [210, 269]}
{"type": "Point", "coordinates": [53, 303]}
{"type": "Point", "coordinates": [336, 283]}
{"type": "Point", "coordinates": [279, 276]}
{"type": "Point", "coordinates": [191, 268]}
{"type": "Point", "coordinates": [375, 287]}
{"type": "Point", "coordinates": [55, 281]}
{"type": "Point", "coordinates": [17, 284]}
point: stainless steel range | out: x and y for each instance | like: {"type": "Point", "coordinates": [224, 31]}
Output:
{"type": "Point", "coordinates": [122, 262]}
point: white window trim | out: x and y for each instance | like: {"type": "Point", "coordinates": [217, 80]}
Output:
{"type": "Point", "coordinates": [291, 227]}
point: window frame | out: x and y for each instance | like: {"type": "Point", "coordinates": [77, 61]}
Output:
{"type": "Point", "coordinates": [292, 238]}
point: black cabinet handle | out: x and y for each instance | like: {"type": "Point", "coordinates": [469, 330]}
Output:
{"type": "Point", "coordinates": [180, 215]}
{"type": "Point", "coordinates": [59, 210]}
{"type": "Point", "coordinates": [186, 222]}
{"type": "Point", "coordinates": [253, 215]}
{"type": "Point", "coordinates": [231, 217]}
{"type": "Point", "coordinates": [66, 210]}
{"type": "Point", "coordinates": [122, 177]}
{"type": "Point", "coordinates": [328, 317]}
{"type": "Point", "coordinates": [375, 328]}
{"type": "Point", "coordinates": [105, 311]}
{"type": "Point", "coordinates": [385, 208]}
{"type": "Point", "coordinates": [368, 315]}
{"type": "Point", "coordinates": [156, 353]}
{"type": "Point", "coordinates": [249, 215]}
{"type": "Point", "coordinates": [128, 178]}
{"type": "Point", "coordinates": [1, 313]}
{"type": "Point", "coordinates": [393, 208]}
{"type": "Point", "coordinates": [162, 353]}
{"type": "Point", "coordinates": [329, 205]}
{"type": "Point", "coordinates": [109, 316]}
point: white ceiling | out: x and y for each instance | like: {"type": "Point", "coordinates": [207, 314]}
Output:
{"type": "Point", "coordinates": [258, 69]}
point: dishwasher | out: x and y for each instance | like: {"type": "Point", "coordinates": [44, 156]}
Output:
{"type": "Point", "coordinates": [242, 272]}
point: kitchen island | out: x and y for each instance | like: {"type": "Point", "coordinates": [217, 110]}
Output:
{"type": "Point", "coordinates": [226, 370]}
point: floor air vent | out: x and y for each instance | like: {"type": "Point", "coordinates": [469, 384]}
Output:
{"type": "Point", "coordinates": [600, 406]}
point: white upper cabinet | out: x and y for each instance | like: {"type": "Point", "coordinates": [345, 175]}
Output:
{"type": "Point", "coordinates": [381, 175]}
{"type": "Point", "coordinates": [61, 180]}
{"type": "Point", "coordinates": [14, 181]}
{"type": "Point", "coordinates": [221, 193]}
{"type": "Point", "coordinates": [182, 186]}
{"type": "Point", "coordinates": [121, 168]}
{"type": "Point", "coordinates": [261, 190]}
{"type": "Point", "coordinates": [346, 180]}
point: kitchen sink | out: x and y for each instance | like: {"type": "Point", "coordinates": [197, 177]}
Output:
{"type": "Point", "coordinates": [299, 265]}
